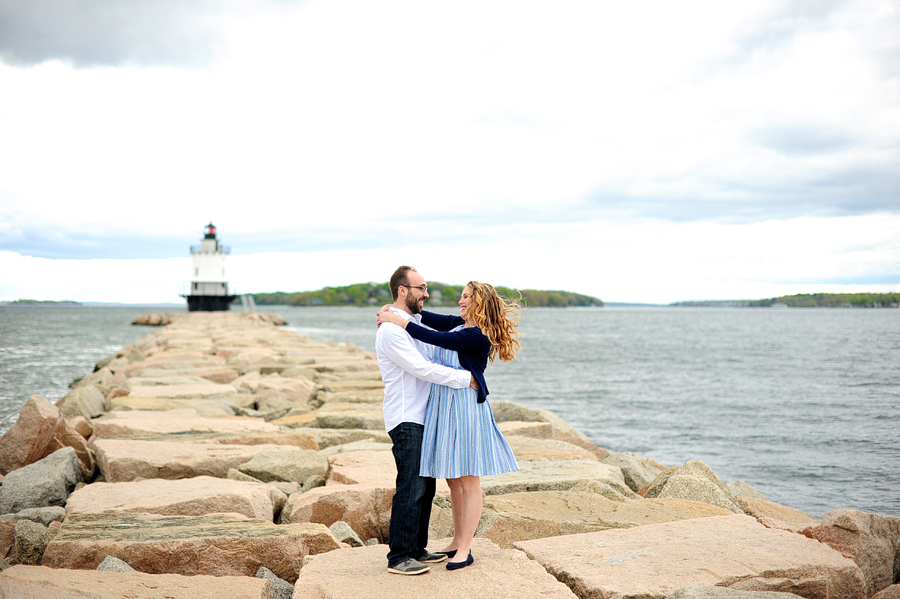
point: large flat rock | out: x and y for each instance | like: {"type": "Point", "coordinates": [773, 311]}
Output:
{"type": "Point", "coordinates": [521, 516]}
{"type": "Point", "coordinates": [531, 448]}
{"type": "Point", "coordinates": [300, 439]}
{"type": "Point", "coordinates": [41, 582]}
{"type": "Point", "coordinates": [361, 573]}
{"type": "Point", "coordinates": [155, 381]}
{"type": "Point", "coordinates": [217, 544]}
{"type": "Point", "coordinates": [374, 468]}
{"type": "Point", "coordinates": [184, 497]}
{"type": "Point", "coordinates": [763, 508]}
{"type": "Point", "coordinates": [214, 375]}
{"type": "Point", "coordinates": [122, 460]}
{"type": "Point", "coordinates": [147, 422]}
{"type": "Point", "coordinates": [288, 464]}
{"type": "Point", "coordinates": [274, 391]}
{"type": "Point", "coordinates": [553, 476]}
{"type": "Point", "coordinates": [723, 593]}
{"type": "Point", "coordinates": [732, 551]}
{"type": "Point", "coordinates": [189, 391]}
{"type": "Point", "coordinates": [173, 363]}
{"type": "Point", "coordinates": [514, 428]}
{"type": "Point", "coordinates": [350, 415]}
{"type": "Point", "coordinates": [326, 437]}
{"type": "Point", "coordinates": [204, 407]}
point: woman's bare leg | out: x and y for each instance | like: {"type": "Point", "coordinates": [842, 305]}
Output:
{"type": "Point", "coordinates": [470, 506]}
{"type": "Point", "coordinates": [456, 503]}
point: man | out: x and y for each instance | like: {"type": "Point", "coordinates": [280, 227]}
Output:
{"type": "Point", "coordinates": [407, 372]}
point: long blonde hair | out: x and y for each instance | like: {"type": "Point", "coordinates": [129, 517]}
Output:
{"type": "Point", "coordinates": [497, 318]}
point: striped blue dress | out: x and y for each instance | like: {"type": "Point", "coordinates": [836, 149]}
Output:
{"type": "Point", "coordinates": [461, 436]}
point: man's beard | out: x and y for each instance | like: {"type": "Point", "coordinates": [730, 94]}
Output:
{"type": "Point", "coordinates": [412, 304]}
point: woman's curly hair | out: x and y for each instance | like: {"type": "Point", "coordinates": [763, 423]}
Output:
{"type": "Point", "coordinates": [497, 318]}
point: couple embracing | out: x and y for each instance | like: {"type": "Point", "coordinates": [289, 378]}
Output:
{"type": "Point", "coordinates": [436, 413]}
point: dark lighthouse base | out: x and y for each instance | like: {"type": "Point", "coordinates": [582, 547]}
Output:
{"type": "Point", "coordinates": [209, 303]}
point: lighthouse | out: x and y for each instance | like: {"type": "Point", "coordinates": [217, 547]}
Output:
{"type": "Point", "coordinates": [208, 287]}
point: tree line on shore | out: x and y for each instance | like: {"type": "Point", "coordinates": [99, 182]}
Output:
{"type": "Point", "coordinates": [441, 294]}
{"type": "Point", "coordinates": [810, 300]}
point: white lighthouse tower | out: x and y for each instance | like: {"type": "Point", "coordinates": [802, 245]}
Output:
{"type": "Point", "coordinates": [208, 286]}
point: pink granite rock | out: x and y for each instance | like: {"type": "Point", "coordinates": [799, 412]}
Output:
{"type": "Point", "coordinates": [52, 583]}
{"type": "Point", "coordinates": [892, 592]}
{"type": "Point", "coordinates": [515, 517]}
{"type": "Point", "coordinates": [87, 401]}
{"type": "Point", "coordinates": [216, 544]}
{"type": "Point", "coordinates": [8, 540]}
{"type": "Point", "coordinates": [732, 551]}
{"type": "Point", "coordinates": [531, 448]}
{"type": "Point", "coordinates": [223, 376]}
{"type": "Point", "coordinates": [274, 391]}
{"type": "Point", "coordinates": [373, 468]}
{"type": "Point", "coordinates": [361, 573]}
{"type": "Point", "coordinates": [67, 436]}
{"type": "Point", "coordinates": [184, 497]}
{"type": "Point", "coordinates": [195, 391]}
{"type": "Point", "coordinates": [872, 541]}
{"type": "Point", "coordinates": [82, 426]}
{"type": "Point", "coordinates": [763, 508]}
{"type": "Point", "coordinates": [149, 422]}
{"type": "Point", "coordinates": [367, 509]}
{"type": "Point", "coordinates": [30, 438]}
{"type": "Point", "coordinates": [122, 460]}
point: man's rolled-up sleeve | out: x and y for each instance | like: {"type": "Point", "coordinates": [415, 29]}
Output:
{"type": "Point", "coordinates": [401, 351]}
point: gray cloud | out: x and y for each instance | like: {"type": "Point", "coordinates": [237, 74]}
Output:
{"type": "Point", "coordinates": [33, 240]}
{"type": "Point", "coordinates": [841, 192]}
{"type": "Point", "coordinates": [795, 18]}
{"type": "Point", "coordinates": [803, 140]}
{"type": "Point", "coordinates": [792, 18]}
{"type": "Point", "coordinates": [109, 32]}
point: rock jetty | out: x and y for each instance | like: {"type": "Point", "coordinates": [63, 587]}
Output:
{"type": "Point", "coordinates": [220, 456]}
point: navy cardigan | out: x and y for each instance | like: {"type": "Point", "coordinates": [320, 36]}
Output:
{"type": "Point", "coordinates": [470, 343]}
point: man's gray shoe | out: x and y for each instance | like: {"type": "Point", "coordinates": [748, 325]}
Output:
{"type": "Point", "coordinates": [432, 558]}
{"type": "Point", "coordinates": [409, 567]}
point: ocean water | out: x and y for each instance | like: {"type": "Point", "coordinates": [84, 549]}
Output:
{"type": "Point", "coordinates": [804, 404]}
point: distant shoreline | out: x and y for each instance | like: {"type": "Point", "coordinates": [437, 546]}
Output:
{"type": "Point", "coordinates": [73, 304]}
{"type": "Point", "coordinates": [562, 299]}
{"type": "Point", "coordinates": [805, 300]}
{"type": "Point", "coordinates": [43, 303]}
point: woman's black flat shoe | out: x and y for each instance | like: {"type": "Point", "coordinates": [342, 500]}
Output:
{"type": "Point", "coordinates": [457, 565]}
{"type": "Point", "coordinates": [449, 554]}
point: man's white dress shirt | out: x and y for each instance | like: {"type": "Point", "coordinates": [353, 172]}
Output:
{"type": "Point", "coordinates": [407, 372]}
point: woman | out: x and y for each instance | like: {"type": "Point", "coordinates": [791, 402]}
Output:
{"type": "Point", "coordinates": [462, 441]}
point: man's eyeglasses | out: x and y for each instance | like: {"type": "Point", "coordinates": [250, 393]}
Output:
{"type": "Point", "coordinates": [422, 288]}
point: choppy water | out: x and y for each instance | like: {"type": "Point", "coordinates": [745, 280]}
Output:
{"type": "Point", "coordinates": [43, 349]}
{"type": "Point", "coordinates": [803, 404]}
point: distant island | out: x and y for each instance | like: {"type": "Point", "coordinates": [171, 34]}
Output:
{"type": "Point", "coordinates": [441, 294]}
{"type": "Point", "coordinates": [34, 302]}
{"type": "Point", "coordinates": [807, 300]}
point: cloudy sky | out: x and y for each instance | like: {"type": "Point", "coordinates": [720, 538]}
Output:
{"type": "Point", "coordinates": [639, 152]}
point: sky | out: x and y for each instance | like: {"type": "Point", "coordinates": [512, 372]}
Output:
{"type": "Point", "coordinates": [637, 152]}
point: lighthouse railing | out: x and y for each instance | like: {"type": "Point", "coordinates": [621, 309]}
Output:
{"type": "Point", "coordinates": [207, 288]}
{"type": "Point", "coordinates": [223, 249]}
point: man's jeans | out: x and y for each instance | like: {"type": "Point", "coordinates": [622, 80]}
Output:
{"type": "Point", "coordinates": [411, 508]}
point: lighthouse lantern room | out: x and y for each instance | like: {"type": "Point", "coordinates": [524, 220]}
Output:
{"type": "Point", "coordinates": [208, 287]}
